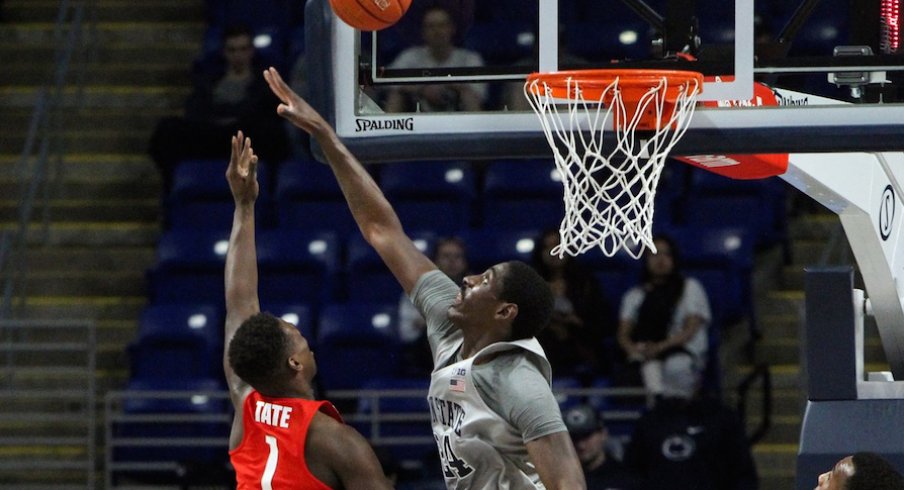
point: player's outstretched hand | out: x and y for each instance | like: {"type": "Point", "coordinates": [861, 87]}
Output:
{"type": "Point", "coordinates": [242, 171]}
{"type": "Point", "coordinates": [293, 108]}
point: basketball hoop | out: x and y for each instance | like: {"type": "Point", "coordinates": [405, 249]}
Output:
{"type": "Point", "coordinates": [609, 196]}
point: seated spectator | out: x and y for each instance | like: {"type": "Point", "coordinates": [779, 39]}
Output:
{"type": "Point", "coordinates": [861, 471]}
{"type": "Point", "coordinates": [449, 257]}
{"type": "Point", "coordinates": [667, 312]}
{"type": "Point", "coordinates": [689, 441]}
{"type": "Point", "coordinates": [602, 469]}
{"type": "Point", "coordinates": [227, 95]}
{"type": "Point", "coordinates": [437, 51]}
{"type": "Point", "coordinates": [575, 339]}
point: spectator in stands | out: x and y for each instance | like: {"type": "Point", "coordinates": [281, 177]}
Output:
{"type": "Point", "coordinates": [437, 51]}
{"type": "Point", "coordinates": [602, 469]}
{"type": "Point", "coordinates": [228, 94]}
{"type": "Point", "coordinates": [690, 441]}
{"type": "Point", "coordinates": [861, 471]}
{"type": "Point", "coordinates": [667, 312]}
{"type": "Point", "coordinates": [450, 258]}
{"type": "Point", "coordinates": [574, 341]}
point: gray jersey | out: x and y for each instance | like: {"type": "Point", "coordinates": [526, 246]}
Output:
{"type": "Point", "coordinates": [481, 438]}
{"type": "Point", "coordinates": [477, 447]}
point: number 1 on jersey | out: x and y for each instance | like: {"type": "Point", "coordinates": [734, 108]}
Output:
{"type": "Point", "coordinates": [270, 468]}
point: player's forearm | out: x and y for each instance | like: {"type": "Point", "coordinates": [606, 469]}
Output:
{"type": "Point", "coordinates": [372, 212]}
{"type": "Point", "coordinates": [241, 264]}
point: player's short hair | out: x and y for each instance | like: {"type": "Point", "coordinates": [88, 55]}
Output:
{"type": "Point", "coordinates": [258, 349]}
{"type": "Point", "coordinates": [522, 285]}
{"type": "Point", "coordinates": [872, 472]}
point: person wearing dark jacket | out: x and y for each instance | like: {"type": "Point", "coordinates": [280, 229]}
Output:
{"type": "Point", "coordinates": [689, 441]}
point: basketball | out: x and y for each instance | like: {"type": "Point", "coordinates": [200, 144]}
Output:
{"type": "Point", "coordinates": [370, 15]}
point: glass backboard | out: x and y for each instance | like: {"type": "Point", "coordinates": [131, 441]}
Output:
{"type": "Point", "coordinates": [835, 66]}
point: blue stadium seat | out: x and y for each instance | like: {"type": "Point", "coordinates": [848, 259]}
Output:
{"type": "Point", "coordinates": [600, 402]}
{"type": "Point", "coordinates": [308, 197]}
{"type": "Point", "coordinates": [721, 258]}
{"type": "Point", "coordinates": [758, 204]}
{"type": "Point", "coordinates": [178, 341]}
{"type": "Point", "coordinates": [522, 194]}
{"type": "Point", "coordinates": [607, 40]}
{"type": "Point", "coordinates": [566, 401]}
{"type": "Point", "coordinates": [205, 418]}
{"type": "Point", "coordinates": [501, 42]}
{"type": "Point", "coordinates": [367, 277]}
{"type": "Point", "coordinates": [488, 247]}
{"type": "Point", "coordinates": [189, 267]}
{"type": "Point", "coordinates": [430, 196]}
{"type": "Point", "coordinates": [298, 265]}
{"type": "Point", "coordinates": [200, 198]}
{"type": "Point", "coordinates": [615, 274]}
{"type": "Point", "coordinates": [298, 314]}
{"type": "Point", "coordinates": [391, 408]}
{"type": "Point", "coordinates": [361, 343]}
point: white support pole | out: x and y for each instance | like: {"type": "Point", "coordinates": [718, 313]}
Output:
{"type": "Point", "coordinates": [862, 188]}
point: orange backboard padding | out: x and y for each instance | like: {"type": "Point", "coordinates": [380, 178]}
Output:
{"type": "Point", "coordinates": [742, 166]}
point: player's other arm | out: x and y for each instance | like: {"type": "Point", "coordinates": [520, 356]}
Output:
{"type": "Point", "coordinates": [375, 217]}
{"type": "Point", "coordinates": [344, 454]}
{"type": "Point", "coordinates": [556, 461]}
{"type": "Point", "coordinates": [241, 264]}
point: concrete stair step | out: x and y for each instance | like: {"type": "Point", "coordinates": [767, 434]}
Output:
{"type": "Point", "coordinates": [107, 33]}
{"type": "Point", "coordinates": [80, 139]}
{"type": "Point", "coordinates": [808, 252]}
{"type": "Point", "coordinates": [164, 74]}
{"type": "Point", "coordinates": [100, 282]}
{"type": "Point", "coordinates": [776, 464]}
{"type": "Point", "coordinates": [82, 258]}
{"type": "Point", "coordinates": [88, 176]}
{"type": "Point", "coordinates": [785, 429]}
{"type": "Point", "coordinates": [788, 350]}
{"type": "Point", "coordinates": [103, 308]}
{"type": "Point", "coordinates": [92, 233]}
{"type": "Point", "coordinates": [114, 209]}
{"type": "Point", "coordinates": [97, 118]}
{"type": "Point", "coordinates": [108, 10]}
{"type": "Point", "coordinates": [790, 302]}
{"type": "Point", "coordinates": [819, 226]}
{"type": "Point", "coordinates": [100, 96]}
{"type": "Point", "coordinates": [30, 377]}
{"type": "Point", "coordinates": [71, 189]}
{"type": "Point", "coordinates": [178, 53]}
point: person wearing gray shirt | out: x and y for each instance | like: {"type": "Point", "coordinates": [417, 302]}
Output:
{"type": "Point", "coordinates": [489, 328]}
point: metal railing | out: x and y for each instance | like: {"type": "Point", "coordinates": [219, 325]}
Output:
{"type": "Point", "coordinates": [760, 372]}
{"type": "Point", "coordinates": [42, 154]}
{"type": "Point", "coordinates": [144, 440]}
{"type": "Point", "coordinates": [49, 428]}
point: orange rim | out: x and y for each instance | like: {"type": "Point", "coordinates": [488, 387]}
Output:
{"type": "Point", "coordinates": [593, 83]}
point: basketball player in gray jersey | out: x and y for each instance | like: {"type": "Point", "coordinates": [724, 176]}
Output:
{"type": "Point", "coordinates": [495, 420]}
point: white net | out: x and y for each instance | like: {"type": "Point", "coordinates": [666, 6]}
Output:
{"type": "Point", "coordinates": [609, 195]}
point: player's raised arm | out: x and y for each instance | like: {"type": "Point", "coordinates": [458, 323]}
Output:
{"type": "Point", "coordinates": [241, 259]}
{"type": "Point", "coordinates": [375, 217]}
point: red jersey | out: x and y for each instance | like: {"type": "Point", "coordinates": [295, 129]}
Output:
{"type": "Point", "coordinates": [271, 453]}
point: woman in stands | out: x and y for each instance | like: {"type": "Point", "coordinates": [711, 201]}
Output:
{"type": "Point", "coordinates": [576, 336]}
{"type": "Point", "coordinates": [666, 312]}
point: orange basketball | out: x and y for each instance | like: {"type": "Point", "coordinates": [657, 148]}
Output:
{"type": "Point", "coordinates": [370, 15]}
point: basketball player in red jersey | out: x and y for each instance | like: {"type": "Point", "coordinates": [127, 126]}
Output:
{"type": "Point", "coordinates": [281, 437]}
